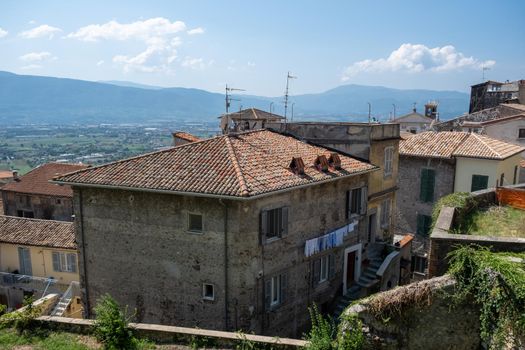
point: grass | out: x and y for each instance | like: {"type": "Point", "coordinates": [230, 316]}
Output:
{"type": "Point", "coordinates": [10, 339]}
{"type": "Point", "coordinates": [498, 221]}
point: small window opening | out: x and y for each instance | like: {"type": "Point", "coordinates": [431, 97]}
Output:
{"type": "Point", "coordinates": [194, 222]}
{"type": "Point", "coordinates": [208, 291]}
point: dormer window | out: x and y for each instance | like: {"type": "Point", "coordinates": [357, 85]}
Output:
{"type": "Point", "coordinates": [297, 166]}
{"type": "Point", "coordinates": [335, 161]}
{"type": "Point", "coordinates": [321, 163]}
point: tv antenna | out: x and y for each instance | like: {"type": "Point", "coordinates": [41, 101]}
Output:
{"type": "Point", "coordinates": [286, 94]}
{"type": "Point", "coordinates": [228, 98]}
{"type": "Point", "coordinates": [483, 69]}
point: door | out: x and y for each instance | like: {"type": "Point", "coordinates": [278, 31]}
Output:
{"type": "Point", "coordinates": [350, 268]}
{"type": "Point", "coordinates": [372, 224]}
{"type": "Point", "coordinates": [24, 259]}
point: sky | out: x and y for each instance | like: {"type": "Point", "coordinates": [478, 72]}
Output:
{"type": "Point", "coordinates": [437, 45]}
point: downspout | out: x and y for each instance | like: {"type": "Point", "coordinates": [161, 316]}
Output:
{"type": "Point", "coordinates": [87, 311]}
{"type": "Point", "coordinates": [225, 264]}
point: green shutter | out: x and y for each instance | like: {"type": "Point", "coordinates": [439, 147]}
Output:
{"type": "Point", "coordinates": [426, 191]}
{"type": "Point", "coordinates": [424, 223]}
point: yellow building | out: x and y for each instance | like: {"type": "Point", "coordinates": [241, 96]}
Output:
{"type": "Point", "coordinates": [36, 257]}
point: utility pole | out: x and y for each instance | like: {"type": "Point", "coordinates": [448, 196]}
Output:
{"type": "Point", "coordinates": [369, 111]}
{"type": "Point", "coordinates": [286, 94]}
{"type": "Point", "coordinates": [393, 104]}
{"type": "Point", "coordinates": [293, 103]}
{"type": "Point", "coordinates": [271, 104]}
{"type": "Point", "coordinates": [229, 98]}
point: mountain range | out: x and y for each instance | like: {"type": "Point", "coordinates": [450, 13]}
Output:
{"type": "Point", "coordinates": [48, 100]}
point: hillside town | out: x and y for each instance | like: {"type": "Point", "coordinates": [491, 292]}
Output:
{"type": "Point", "coordinates": [247, 229]}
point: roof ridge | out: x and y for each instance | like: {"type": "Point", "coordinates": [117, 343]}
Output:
{"type": "Point", "coordinates": [486, 145]}
{"type": "Point", "coordinates": [255, 114]}
{"type": "Point", "coordinates": [69, 223]}
{"type": "Point", "coordinates": [466, 135]}
{"type": "Point", "coordinates": [237, 167]}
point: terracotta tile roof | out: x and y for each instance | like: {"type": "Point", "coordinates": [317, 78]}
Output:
{"type": "Point", "coordinates": [35, 232]}
{"type": "Point", "coordinates": [6, 174]}
{"type": "Point", "coordinates": [241, 165]}
{"type": "Point", "coordinates": [522, 163]}
{"type": "Point", "coordinates": [37, 180]}
{"type": "Point", "coordinates": [448, 144]}
{"type": "Point", "coordinates": [186, 136]}
{"type": "Point", "coordinates": [253, 113]}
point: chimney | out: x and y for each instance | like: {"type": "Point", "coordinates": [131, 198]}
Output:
{"type": "Point", "coordinates": [321, 163]}
{"type": "Point", "coordinates": [15, 175]}
{"type": "Point", "coordinates": [297, 166]}
{"type": "Point", "coordinates": [335, 161]}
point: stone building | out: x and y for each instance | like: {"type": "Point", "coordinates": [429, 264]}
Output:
{"type": "Point", "coordinates": [33, 196]}
{"type": "Point", "coordinates": [374, 143]}
{"type": "Point", "coordinates": [241, 231]}
{"type": "Point", "coordinates": [415, 122]}
{"type": "Point", "coordinates": [6, 176]}
{"type": "Point", "coordinates": [248, 119]}
{"type": "Point", "coordinates": [491, 93]}
{"type": "Point", "coordinates": [435, 164]}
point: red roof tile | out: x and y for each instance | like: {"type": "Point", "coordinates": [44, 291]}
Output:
{"type": "Point", "coordinates": [35, 232]}
{"type": "Point", "coordinates": [37, 180]}
{"type": "Point", "coordinates": [186, 136]}
{"type": "Point", "coordinates": [241, 165]}
{"type": "Point", "coordinates": [448, 144]}
{"type": "Point", "coordinates": [5, 174]}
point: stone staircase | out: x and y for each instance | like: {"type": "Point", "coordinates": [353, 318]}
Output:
{"type": "Point", "coordinates": [368, 277]}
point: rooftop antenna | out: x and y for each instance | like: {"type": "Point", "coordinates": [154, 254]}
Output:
{"type": "Point", "coordinates": [369, 111]}
{"type": "Point", "coordinates": [414, 109]}
{"type": "Point", "coordinates": [228, 98]}
{"type": "Point", "coordinates": [483, 69]}
{"type": "Point", "coordinates": [286, 94]}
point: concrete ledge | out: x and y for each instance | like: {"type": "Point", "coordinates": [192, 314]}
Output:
{"type": "Point", "coordinates": [163, 333]}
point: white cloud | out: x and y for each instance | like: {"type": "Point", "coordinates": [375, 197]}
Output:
{"type": "Point", "coordinates": [198, 30]}
{"type": "Point", "coordinates": [417, 58]}
{"type": "Point", "coordinates": [99, 63]}
{"type": "Point", "coordinates": [158, 34]}
{"type": "Point", "coordinates": [31, 66]}
{"type": "Point", "coordinates": [3, 33]}
{"type": "Point", "coordinates": [196, 63]}
{"type": "Point", "coordinates": [41, 31]}
{"type": "Point", "coordinates": [37, 57]}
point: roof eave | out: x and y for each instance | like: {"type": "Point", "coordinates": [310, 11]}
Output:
{"type": "Point", "coordinates": [211, 195]}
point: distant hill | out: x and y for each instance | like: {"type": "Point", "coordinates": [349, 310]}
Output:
{"type": "Point", "coordinates": [130, 84]}
{"type": "Point", "coordinates": [36, 99]}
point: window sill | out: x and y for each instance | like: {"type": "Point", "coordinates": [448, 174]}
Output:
{"type": "Point", "coordinates": [195, 232]}
{"type": "Point", "coordinates": [272, 239]}
{"type": "Point", "coordinates": [208, 298]}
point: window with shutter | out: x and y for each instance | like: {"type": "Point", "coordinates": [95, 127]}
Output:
{"type": "Point", "coordinates": [385, 213]}
{"type": "Point", "coordinates": [357, 201]}
{"type": "Point", "coordinates": [426, 192]}
{"type": "Point", "coordinates": [479, 182]}
{"type": "Point", "coordinates": [64, 262]}
{"type": "Point", "coordinates": [275, 290]}
{"type": "Point", "coordinates": [389, 155]}
{"type": "Point", "coordinates": [56, 262]}
{"type": "Point", "coordinates": [24, 259]}
{"type": "Point", "coordinates": [274, 223]}
{"type": "Point", "coordinates": [423, 224]}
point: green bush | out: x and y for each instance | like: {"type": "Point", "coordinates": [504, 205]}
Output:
{"type": "Point", "coordinates": [455, 200]}
{"type": "Point", "coordinates": [323, 331]}
{"type": "Point", "coordinates": [111, 325]}
{"type": "Point", "coordinates": [23, 320]}
{"type": "Point", "coordinates": [350, 335]}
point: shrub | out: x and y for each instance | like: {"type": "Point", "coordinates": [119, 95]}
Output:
{"type": "Point", "coordinates": [323, 331]}
{"type": "Point", "coordinates": [111, 325]}
{"type": "Point", "coordinates": [23, 320]}
{"type": "Point", "coordinates": [350, 335]}
{"type": "Point", "coordinates": [455, 200]}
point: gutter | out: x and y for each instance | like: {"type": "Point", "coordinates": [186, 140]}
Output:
{"type": "Point", "coordinates": [226, 318]}
{"type": "Point", "coordinates": [210, 195]}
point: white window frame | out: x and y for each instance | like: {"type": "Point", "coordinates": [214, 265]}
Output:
{"type": "Point", "coordinates": [275, 295]}
{"type": "Point", "coordinates": [388, 161]}
{"type": "Point", "coordinates": [207, 297]}
{"type": "Point", "coordinates": [323, 271]}
{"type": "Point", "coordinates": [189, 229]}
{"type": "Point", "coordinates": [64, 266]}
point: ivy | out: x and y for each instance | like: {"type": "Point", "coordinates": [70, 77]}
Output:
{"type": "Point", "coordinates": [496, 283]}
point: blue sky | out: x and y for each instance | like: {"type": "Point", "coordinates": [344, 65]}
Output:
{"type": "Point", "coordinates": [248, 44]}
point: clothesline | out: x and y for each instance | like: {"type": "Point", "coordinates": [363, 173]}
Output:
{"type": "Point", "coordinates": [329, 240]}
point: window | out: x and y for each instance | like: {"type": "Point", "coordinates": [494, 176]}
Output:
{"type": "Point", "coordinates": [194, 222]}
{"type": "Point", "coordinates": [389, 155]}
{"type": "Point", "coordinates": [426, 191]}
{"type": "Point", "coordinates": [323, 269]}
{"type": "Point", "coordinates": [515, 180]}
{"type": "Point", "coordinates": [25, 214]}
{"type": "Point", "coordinates": [521, 133]}
{"type": "Point", "coordinates": [479, 182]}
{"type": "Point", "coordinates": [275, 290]}
{"type": "Point", "coordinates": [356, 201]}
{"type": "Point", "coordinates": [24, 259]}
{"type": "Point", "coordinates": [502, 179]}
{"type": "Point", "coordinates": [419, 264]}
{"type": "Point", "coordinates": [24, 201]}
{"type": "Point", "coordinates": [274, 223]}
{"type": "Point", "coordinates": [64, 262]}
{"type": "Point", "coordinates": [58, 201]}
{"type": "Point", "coordinates": [385, 213]}
{"type": "Point", "coordinates": [423, 224]}
{"type": "Point", "coordinates": [208, 291]}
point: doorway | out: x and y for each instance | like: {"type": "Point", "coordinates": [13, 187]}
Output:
{"type": "Point", "coordinates": [372, 227]}
{"type": "Point", "coordinates": [352, 266]}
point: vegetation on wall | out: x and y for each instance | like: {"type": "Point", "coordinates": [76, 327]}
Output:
{"type": "Point", "coordinates": [455, 200]}
{"type": "Point", "coordinates": [496, 282]}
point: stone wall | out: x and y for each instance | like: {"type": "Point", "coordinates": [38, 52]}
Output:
{"type": "Point", "coordinates": [43, 207]}
{"type": "Point", "coordinates": [135, 246]}
{"type": "Point", "coordinates": [435, 323]}
{"type": "Point", "coordinates": [408, 203]}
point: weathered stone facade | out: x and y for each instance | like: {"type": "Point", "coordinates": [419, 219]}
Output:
{"type": "Point", "coordinates": [37, 206]}
{"type": "Point", "coordinates": [409, 204]}
{"type": "Point", "coordinates": [135, 246]}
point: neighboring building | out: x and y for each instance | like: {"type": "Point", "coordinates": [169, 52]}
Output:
{"type": "Point", "coordinates": [415, 122]}
{"type": "Point", "coordinates": [375, 143]}
{"type": "Point", "coordinates": [181, 138]}
{"type": "Point", "coordinates": [241, 231]}
{"type": "Point", "coordinates": [247, 119]}
{"type": "Point", "coordinates": [434, 164]}
{"type": "Point", "coordinates": [35, 256]}
{"type": "Point", "coordinates": [491, 93]}
{"type": "Point", "coordinates": [33, 196]}
{"type": "Point", "coordinates": [6, 176]}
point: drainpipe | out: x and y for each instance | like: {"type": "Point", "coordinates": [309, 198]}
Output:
{"type": "Point", "coordinates": [225, 264]}
{"type": "Point", "coordinates": [87, 311]}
